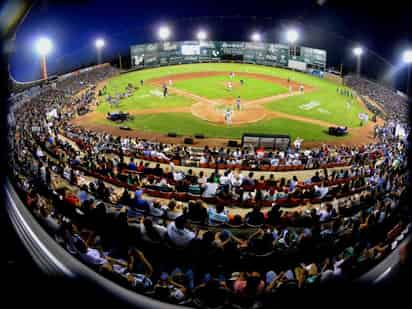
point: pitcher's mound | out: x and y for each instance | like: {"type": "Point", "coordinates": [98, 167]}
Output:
{"type": "Point", "coordinates": [214, 112]}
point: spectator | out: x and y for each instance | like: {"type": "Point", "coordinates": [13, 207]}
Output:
{"type": "Point", "coordinates": [178, 234]}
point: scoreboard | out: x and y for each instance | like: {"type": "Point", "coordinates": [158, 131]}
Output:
{"type": "Point", "coordinates": [166, 53]}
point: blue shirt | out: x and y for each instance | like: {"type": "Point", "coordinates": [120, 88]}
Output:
{"type": "Point", "coordinates": [132, 166]}
{"type": "Point", "coordinates": [215, 217]}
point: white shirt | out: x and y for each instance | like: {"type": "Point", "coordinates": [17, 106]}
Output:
{"type": "Point", "coordinates": [224, 180]}
{"type": "Point", "coordinates": [210, 189]}
{"type": "Point", "coordinates": [324, 215]}
{"type": "Point", "coordinates": [92, 256]}
{"type": "Point", "coordinates": [322, 190]}
{"type": "Point", "coordinates": [180, 237]}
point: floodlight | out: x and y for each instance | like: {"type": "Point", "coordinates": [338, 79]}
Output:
{"type": "Point", "coordinates": [256, 37]}
{"type": "Point", "coordinates": [44, 46]}
{"type": "Point", "coordinates": [201, 35]}
{"type": "Point", "coordinates": [164, 33]}
{"type": "Point", "coordinates": [407, 56]}
{"type": "Point", "coordinates": [99, 43]}
{"type": "Point", "coordinates": [292, 36]}
{"type": "Point", "coordinates": [358, 51]}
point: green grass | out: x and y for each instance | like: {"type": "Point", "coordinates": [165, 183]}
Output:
{"type": "Point", "coordinates": [215, 87]}
{"type": "Point", "coordinates": [327, 106]}
{"type": "Point", "coordinates": [146, 74]}
{"type": "Point", "coordinates": [190, 125]}
{"type": "Point", "coordinates": [145, 98]}
{"type": "Point", "coordinates": [332, 107]}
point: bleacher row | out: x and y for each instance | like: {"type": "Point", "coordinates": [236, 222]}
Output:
{"type": "Point", "coordinates": [185, 196]}
{"type": "Point", "coordinates": [264, 166]}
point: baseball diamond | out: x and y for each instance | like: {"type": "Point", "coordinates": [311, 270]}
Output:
{"type": "Point", "coordinates": [198, 95]}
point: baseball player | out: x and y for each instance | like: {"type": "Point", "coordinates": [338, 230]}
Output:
{"type": "Point", "coordinates": [238, 103]}
{"type": "Point", "coordinates": [302, 88]}
{"type": "Point", "coordinates": [170, 82]}
{"type": "Point", "coordinates": [228, 117]}
{"type": "Point", "coordinates": [230, 86]}
{"type": "Point", "coordinates": [298, 143]}
{"type": "Point", "coordinates": [165, 90]}
{"type": "Point", "coordinates": [141, 82]}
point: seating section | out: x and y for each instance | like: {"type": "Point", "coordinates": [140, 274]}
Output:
{"type": "Point", "coordinates": [183, 224]}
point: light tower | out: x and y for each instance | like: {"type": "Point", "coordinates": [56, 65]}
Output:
{"type": "Point", "coordinates": [358, 52]}
{"type": "Point", "coordinates": [99, 44]}
{"type": "Point", "coordinates": [407, 59]}
{"type": "Point", "coordinates": [43, 47]}
{"type": "Point", "coordinates": [256, 37]}
{"type": "Point", "coordinates": [292, 36]}
{"type": "Point", "coordinates": [164, 33]}
{"type": "Point", "coordinates": [201, 35]}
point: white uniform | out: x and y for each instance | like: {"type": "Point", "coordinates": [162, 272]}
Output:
{"type": "Point", "coordinates": [298, 143]}
{"type": "Point", "coordinates": [228, 117]}
{"type": "Point", "coordinates": [230, 86]}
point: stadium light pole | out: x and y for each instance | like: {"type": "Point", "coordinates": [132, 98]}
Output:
{"type": "Point", "coordinates": [407, 59]}
{"type": "Point", "coordinates": [358, 52]}
{"type": "Point", "coordinates": [99, 43]}
{"type": "Point", "coordinates": [43, 47]}
{"type": "Point", "coordinates": [164, 33]}
{"type": "Point", "coordinates": [201, 35]}
{"type": "Point", "coordinates": [256, 37]}
{"type": "Point", "coordinates": [292, 36]}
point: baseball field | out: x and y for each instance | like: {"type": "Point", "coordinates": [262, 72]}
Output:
{"type": "Point", "coordinates": [272, 101]}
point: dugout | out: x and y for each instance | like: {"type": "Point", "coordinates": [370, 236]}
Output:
{"type": "Point", "coordinates": [267, 141]}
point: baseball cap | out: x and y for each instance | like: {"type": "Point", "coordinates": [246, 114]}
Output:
{"type": "Point", "coordinates": [235, 276]}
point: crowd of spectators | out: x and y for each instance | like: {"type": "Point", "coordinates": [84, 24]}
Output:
{"type": "Point", "coordinates": [395, 105]}
{"type": "Point", "coordinates": [200, 250]}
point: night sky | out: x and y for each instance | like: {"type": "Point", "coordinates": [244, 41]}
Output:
{"type": "Point", "coordinates": [383, 27]}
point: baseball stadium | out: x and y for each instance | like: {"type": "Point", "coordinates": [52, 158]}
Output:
{"type": "Point", "coordinates": [209, 172]}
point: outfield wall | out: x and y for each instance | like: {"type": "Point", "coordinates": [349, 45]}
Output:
{"type": "Point", "coordinates": [185, 52]}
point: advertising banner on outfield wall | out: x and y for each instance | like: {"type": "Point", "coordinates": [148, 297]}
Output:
{"type": "Point", "coordinates": [297, 65]}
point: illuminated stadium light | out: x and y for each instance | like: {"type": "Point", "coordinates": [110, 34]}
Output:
{"type": "Point", "coordinates": [292, 35]}
{"type": "Point", "coordinates": [358, 51]}
{"type": "Point", "coordinates": [164, 33]}
{"type": "Point", "coordinates": [407, 56]}
{"type": "Point", "coordinates": [99, 43]}
{"type": "Point", "coordinates": [256, 37]}
{"type": "Point", "coordinates": [407, 59]}
{"type": "Point", "coordinates": [44, 46]}
{"type": "Point", "coordinates": [201, 35]}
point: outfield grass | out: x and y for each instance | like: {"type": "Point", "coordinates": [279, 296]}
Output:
{"type": "Point", "coordinates": [324, 105]}
{"type": "Point", "coordinates": [147, 97]}
{"type": "Point", "coordinates": [214, 87]}
{"type": "Point", "coordinates": [187, 124]}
